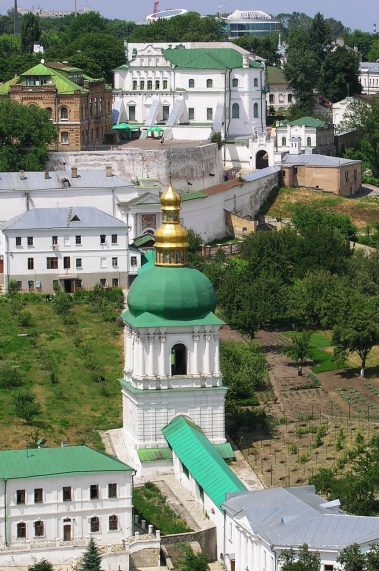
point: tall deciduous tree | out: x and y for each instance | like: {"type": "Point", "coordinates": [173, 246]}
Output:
{"type": "Point", "coordinates": [25, 133]}
{"type": "Point", "coordinates": [358, 329]}
{"type": "Point", "coordinates": [303, 560]}
{"type": "Point", "coordinates": [299, 350]}
{"type": "Point", "coordinates": [364, 117]}
{"type": "Point", "coordinates": [30, 32]}
{"type": "Point", "coordinates": [339, 76]}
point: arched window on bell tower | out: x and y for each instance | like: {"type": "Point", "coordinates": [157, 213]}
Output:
{"type": "Point", "coordinates": [178, 360]}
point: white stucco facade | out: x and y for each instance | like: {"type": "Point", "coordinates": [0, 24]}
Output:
{"type": "Point", "coordinates": [369, 77]}
{"type": "Point", "coordinates": [151, 88]}
{"type": "Point", "coordinates": [314, 136]}
{"type": "Point", "coordinates": [153, 394]}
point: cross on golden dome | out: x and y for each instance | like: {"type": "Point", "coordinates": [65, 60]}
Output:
{"type": "Point", "coordinates": [171, 239]}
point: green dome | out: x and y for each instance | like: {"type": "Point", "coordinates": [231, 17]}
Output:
{"type": "Point", "coordinates": [172, 293]}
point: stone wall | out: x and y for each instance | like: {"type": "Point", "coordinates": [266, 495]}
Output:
{"type": "Point", "coordinates": [207, 539]}
{"type": "Point", "coordinates": [200, 165]}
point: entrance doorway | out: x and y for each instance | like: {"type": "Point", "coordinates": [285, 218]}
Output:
{"type": "Point", "coordinates": [178, 360]}
{"type": "Point", "coordinates": [261, 160]}
{"type": "Point", "coordinates": [68, 286]}
{"type": "Point", "coordinates": [67, 535]}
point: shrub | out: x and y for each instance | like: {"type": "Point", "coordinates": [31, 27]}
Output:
{"type": "Point", "coordinates": [24, 318]}
{"type": "Point", "coordinates": [26, 406]}
{"type": "Point", "coordinates": [9, 376]}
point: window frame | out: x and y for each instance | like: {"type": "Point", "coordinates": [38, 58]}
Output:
{"type": "Point", "coordinates": [38, 495]}
{"type": "Point", "coordinates": [67, 490]}
{"type": "Point", "coordinates": [20, 497]}
{"type": "Point", "coordinates": [30, 263]}
{"type": "Point", "coordinates": [114, 262]}
{"type": "Point", "coordinates": [191, 84]}
{"type": "Point", "coordinates": [51, 261]}
{"type": "Point", "coordinates": [21, 525]}
{"type": "Point", "coordinates": [94, 492]}
{"type": "Point", "coordinates": [112, 486]}
{"type": "Point", "coordinates": [113, 522]}
{"type": "Point", "coordinates": [209, 83]}
{"type": "Point", "coordinates": [79, 263]}
{"type": "Point", "coordinates": [103, 239]}
{"type": "Point", "coordinates": [94, 521]}
{"type": "Point", "coordinates": [30, 241]}
{"type": "Point", "coordinates": [18, 241]}
{"type": "Point", "coordinates": [114, 239]}
{"type": "Point", "coordinates": [41, 526]}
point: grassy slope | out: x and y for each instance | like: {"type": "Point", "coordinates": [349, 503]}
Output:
{"type": "Point", "coordinates": [75, 407]}
{"type": "Point", "coordinates": [361, 210]}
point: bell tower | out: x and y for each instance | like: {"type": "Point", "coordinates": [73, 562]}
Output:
{"type": "Point", "coordinates": [172, 363]}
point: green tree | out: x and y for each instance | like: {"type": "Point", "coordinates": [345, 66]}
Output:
{"type": "Point", "coordinates": [185, 28]}
{"type": "Point", "coordinates": [352, 558]}
{"type": "Point", "coordinates": [190, 561]}
{"type": "Point", "coordinates": [339, 76]}
{"type": "Point", "coordinates": [301, 71]}
{"type": "Point", "coordinates": [299, 350]}
{"type": "Point", "coordinates": [303, 560]}
{"type": "Point", "coordinates": [361, 41]}
{"type": "Point", "coordinates": [265, 47]}
{"type": "Point", "coordinates": [91, 560]}
{"type": "Point", "coordinates": [312, 218]}
{"type": "Point", "coordinates": [30, 32]}
{"type": "Point", "coordinates": [243, 367]}
{"type": "Point", "coordinates": [102, 48]}
{"type": "Point", "coordinates": [26, 406]}
{"type": "Point", "coordinates": [357, 330]}
{"type": "Point", "coordinates": [372, 558]}
{"type": "Point", "coordinates": [373, 54]}
{"type": "Point", "coordinates": [25, 133]}
{"type": "Point", "coordinates": [42, 565]}
{"type": "Point", "coordinates": [319, 38]}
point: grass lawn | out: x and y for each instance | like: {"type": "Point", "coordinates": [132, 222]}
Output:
{"type": "Point", "coordinates": [361, 210]}
{"type": "Point", "coordinates": [152, 506]}
{"type": "Point", "coordinates": [322, 352]}
{"type": "Point", "coordinates": [76, 406]}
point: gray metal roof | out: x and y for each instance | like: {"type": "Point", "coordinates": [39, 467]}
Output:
{"type": "Point", "coordinates": [316, 160]}
{"type": "Point", "coordinates": [256, 175]}
{"type": "Point", "coordinates": [72, 217]}
{"type": "Point", "coordinates": [369, 65]}
{"type": "Point", "coordinates": [36, 180]}
{"type": "Point", "coordinates": [290, 517]}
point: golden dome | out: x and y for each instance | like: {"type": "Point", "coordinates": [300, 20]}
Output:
{"type": "Point", "coordinates": [171, 239]}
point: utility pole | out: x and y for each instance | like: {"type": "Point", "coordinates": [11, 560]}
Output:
{"type": "Point", "coordinates": [15, 19]}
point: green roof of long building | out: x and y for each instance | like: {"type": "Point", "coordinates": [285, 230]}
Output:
{"type": "Point", "coordinates": [206, 58]}
{"type": "Point", "coordinates": [202, 459]}
{"type": "Point", "coordinates": [43, 462]}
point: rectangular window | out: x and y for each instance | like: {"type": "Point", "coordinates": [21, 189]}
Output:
{"type": "Point", "coordinates": [165, 112]}
{"type": "Point", "coordinates": [18, 240]}
{"type": "Point", "coordinates": [21, 530]}
{"type": "Point", "coordinates": [103, 262]}
{"type": "Point", "coordinates": [328, 567]}
{"type": "Point", "coordinates": [209, 113]}
{"type": "Point", "coordinates": [157, 85]}
{"type": "Point", "coordinates": [112, 490]}
{"type": "Point", "coordinates": [142, 85]}
{"type": "Point", "coordinates": [39, 529]}
{"type": "Point", "coordinates": [20, 496]}
{"type": "Point", "coordinates": [78, 263]}
{"type": "Point", "coordinates": [165, 84]}
{"type": "Point", "coordinates": [64, 138]}
{"type": "Point", "coordinates": [31, 285]}
{"type": "Point", "coordinates": [19, 286]}
{"type": "Point", "coordinates": [132, 112]}
{"type": "Point", "coordinates": [78, 240]}
{"type": "Point", "coordinates": [52, 263]}
{"type": "Point", "coordinates": [54, 240]}
{"type": "Point", "coordinates": [191, 113]}
{"type": "Point", "coordinates": [66, 262]}
{"type": "Point", "coordinates": [38, 495]}
{"type": "Point", "coordinates": [30, 263]}
{"type": "Point", "coordinates": [94, 492]}
{"type": "Point", "coordinates": [134, 84]}
{"type": "Point", "coordinates": [114, 238]}
{"type": "Point", "coordinates": [133, 261]}
{"type": "Point", "coordinates": [67, 494]}
{"type": "Point", "coordinates": [103, 282]}
{"type": "Point", "coordinates": [114, 262]}
{"type": "Point", "coordinates": [30, 240]}
{"type": "Point", "coordinates": [102, 238]}
{"type": "Point", "coordinates": [149, 85]}
{"type": "Point", "coordinates": [114, 282]}
{"type": "Point", "coordinates": [113, 523]}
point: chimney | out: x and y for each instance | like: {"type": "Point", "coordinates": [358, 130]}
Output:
{"type": "Point", "coordinates": [47, 174]}
{"type": "Point", "coordinates": [74, 172]}
{"type": "Point", "coordinates": [108, 170]}
{"type": "Point", "coordinates": [22, 175]}
{"type": "Point", "coordinates": [245, 61]}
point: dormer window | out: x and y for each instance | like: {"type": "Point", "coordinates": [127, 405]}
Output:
{"type": "Point", "coordinates": [66, 183]}
{"type": "Point", "coordinates": [75, 218]}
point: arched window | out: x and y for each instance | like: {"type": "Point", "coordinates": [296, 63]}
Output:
{"type": "Point", "coordinates": [255, 82]}
{"type": "Point", "coordinates": [309, 141]}
{"type": "Point", "coordinates": [94, 524]}
{"type": "Point", "coordinates": [191, 83]}
{"type": "Point", "coordinates": [178, 359]}
{"type": "Point", "coordinates": [284, 142]}
{"type": "Point", "coordinates": [235, 111]}
{"type": "Point", "coordinates": [49, 111]}
{"type": "Point", "coordinates": [256, 110]}
{"type": "Point", "coordinates": [113, 523]}
{"type": "Point", "coordinates": [289, 98]}
{"type": "Point", "coordinates": [235, 82]}
{"type": "Point", "coordinates": [21, 530]}
{"type": "Point", "coordinates": [149, 84]}
{"type": "Point", "coordinates": [39, 529]}
{"type": "Point", "coordinates": [209, 83]}
{"type": "Point", "coordinates": [271, 98]}
{"type": "Point", "coordinates": [64, 114]}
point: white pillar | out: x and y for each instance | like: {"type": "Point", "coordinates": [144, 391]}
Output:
{"type": "Point", "coordinates": [150, 362]}
{"type": "Point", "coordinates": [195, 355]}
{"type": "Point", "coordinates": [141, 356]}
{"type": "Point", "coordinates": [162, 357]}
{"type": "Point", "coordinates": [206, 359]}
{"type": "Point", "coordinates": [216, 368]}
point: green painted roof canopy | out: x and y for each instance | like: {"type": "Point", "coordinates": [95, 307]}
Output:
{"type": "Point", "coordinates": [169, 296]}
{"type": "Point", "coordinates": [308, 122]}
{"type": "Point", "coordinates": [206, 58]}
{"type": "Point", "coordinates": [42, 462]}
{"type": "Point", "coordinates": [202, 459]}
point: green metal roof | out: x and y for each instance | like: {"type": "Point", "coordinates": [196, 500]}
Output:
{"type": "Point", "coordinates": [202, 459]}
{"type": "Point", "coordinates": [276, 75]}
{"type": "Point", "coordinates": [207, 58]}
{"type": "Point", "coordinates": [153, 454]}
{"type": "Point", "coordinates": [142, 240]}
{"type": "Point", "coordinates": [308, 122]}
{"type": "Point", "coordinates": [192, 196]}
{"type": "Point", "coordinates": [5, 87]}
{"type": "Point", "coordinates": [150, 320]}
{"type": "Point", "coordinates": [42, 462]}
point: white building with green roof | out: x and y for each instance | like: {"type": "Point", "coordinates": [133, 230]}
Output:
{"type": "Point", "coordinates": [193, 89]}
{"type": "Point", "coordinates": [54, 499]}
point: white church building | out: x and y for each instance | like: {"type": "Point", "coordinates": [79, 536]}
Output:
{"type": "Point", "coordinates": [192, 90]}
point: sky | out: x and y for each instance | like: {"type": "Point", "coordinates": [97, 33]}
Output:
{"type": "Point", "coordinates": [353, 13]}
